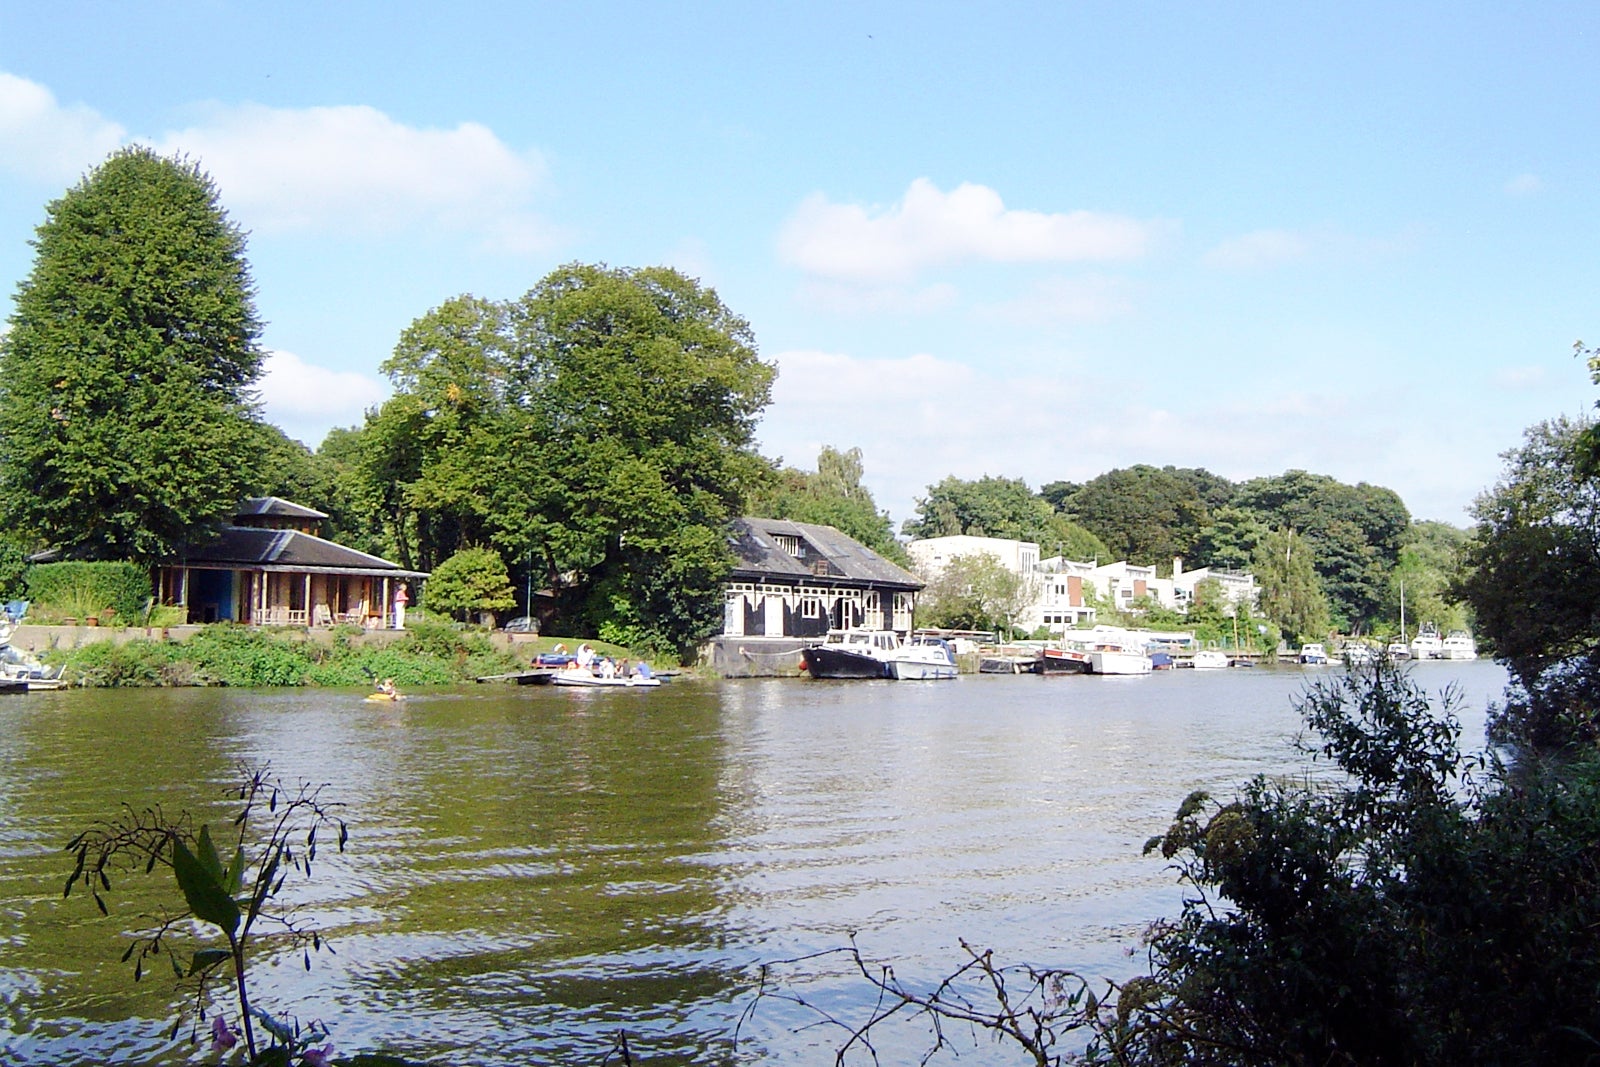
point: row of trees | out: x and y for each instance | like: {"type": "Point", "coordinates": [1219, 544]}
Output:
{"type": "Point", "coordinates": [1328, 555]}
{"type": "Point", "coordinates": [595, 435]}
{"type": "Point", "coordinates": [597, 432]}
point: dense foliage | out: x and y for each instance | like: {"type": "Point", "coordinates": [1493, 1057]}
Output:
{"type": "Point", "coordinates": [78, 590]}
{"type": "Point", "coordinates": [125, 406]}
{"type": "Point", "coordinates": [975, 592]}
{"type": "Point", "coordinates": [832, 495]}
{"type": "Point", "coordinates": [474, 580]}
{"type": "Point", "coordinates": [598, 432]}
{"type": "Point", "coordinates": [1382, 918]}
{"type": "Point", "coordinates": [430, 654]}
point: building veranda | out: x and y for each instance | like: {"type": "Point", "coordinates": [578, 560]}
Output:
{"type": "Point", "coordinates": [268, 567]}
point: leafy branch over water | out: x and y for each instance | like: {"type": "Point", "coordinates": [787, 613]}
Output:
{"type": "Point", "coordinates": [231, 907]}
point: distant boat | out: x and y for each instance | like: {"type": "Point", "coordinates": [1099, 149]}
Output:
{"type": "Point", "coordinates": [1209, 659]}
{"type": "Point", "coordinates": [851, 654]}
{"type": "Point", "coordinates": [578, 677]}
{"type": "Point", "coordinates": [1313, 655]}
{"type": "Point", "coordinates": [1064, 661]}
{"type": "Point", "coordinates": [1459, 645]}
{"type": "Point", "coordinates": [1357, 654]}
{"type": "Point", "coordinates": [1112, 657]}
{"type": "Point", "coordinates": [1427, 645]}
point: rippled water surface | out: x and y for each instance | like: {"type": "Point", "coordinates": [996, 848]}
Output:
{"type": "Point", "coordinates": [531, 870]}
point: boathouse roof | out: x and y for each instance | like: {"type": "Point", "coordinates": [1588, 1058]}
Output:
{"type": "Point", "coordinates": [779, 548]}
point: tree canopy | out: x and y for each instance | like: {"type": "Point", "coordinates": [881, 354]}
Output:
{"type": "Point", "coordinates": [832, 495]}
{"type": "Point", "coordinates": [1144, 514]}
{"type": "Point", "coordinates": [598, 430]}
{"type": "Point", "coordinates": [987, 507]}
{"type": "Point", "coordinates": [126, 416]}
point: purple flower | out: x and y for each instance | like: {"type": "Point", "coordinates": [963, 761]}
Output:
{"type": "Point", "coordinates": [222, 1036]}
{"type": "Point", "coordinates": [316, 1057]}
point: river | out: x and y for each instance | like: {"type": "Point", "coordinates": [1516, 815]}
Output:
{"type": "Point", "coordinates": [532, 869]}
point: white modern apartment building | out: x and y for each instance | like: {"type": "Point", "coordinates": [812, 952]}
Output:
{"type": "Point", "coordinates": [1061, 588]}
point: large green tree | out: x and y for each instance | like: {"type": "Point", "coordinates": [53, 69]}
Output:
{"type": "Point", "coordinates": [127, 425]}
{"type": "Point", "coordinates": [1356, 531]}
{"type": "Point", "coordinates": [1291, 596]}
{"type": "Point", "coordinates": [1144, 514]}
{"type": "Point", "coordinates": [986, 507]}
{"type": "Point", "coordinates": [831, 495]}
{"type": "Point", "coordinates": [599, 430]}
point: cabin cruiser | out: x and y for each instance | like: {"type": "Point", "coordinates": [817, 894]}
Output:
{"type": "Point", "coordinates": [851, 654]}
{"type": "Point", "coordinates": [1426, 645]}
{"type": "Point", "coordinates": [1313, 654]}
{"type": "Point", "coordinates": [1459, 645]}
{"type": "Point", "coordinates": [1209, 659]}
{"type": "Point", "coordinates": [925, 658]}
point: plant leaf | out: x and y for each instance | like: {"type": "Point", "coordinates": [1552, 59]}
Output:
{"type": "Point", "coordinates": [202, 890]}
{"type": "Point", "coordinates": [207, 853]}
{"type": "Point", "coordinates": [207, 958]}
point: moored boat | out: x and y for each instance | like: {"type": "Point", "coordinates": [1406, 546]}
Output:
{"type": "Point", "coordinates": [1459, 645]}
{"type": "Point", "coordinates": [1209, 659]}
{"type": "Point", "coordinates": [1063, 661]}
{"type": "Point", "coordinates": [1357, 654]}
{"type": "Point", "coordinates": [924, 659]}
{"type": "Point", "coordinates": [1426, 645]}
{"type": "Point", "coordinates": [589, 680]}
{"type": "Point", "coordinates": [1313, 655]}
{"type": "Point", "coordinates": [851, 654]}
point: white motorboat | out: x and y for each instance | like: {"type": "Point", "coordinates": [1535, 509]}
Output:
{"type": "Point", "coordinates": [1399, 650]}
{"type": "Point", "coordinates": [923, 659]}
{"type": "Point", "coordinates": [1119, 659]}
{"type": "Point", "coordinates": [1427, 645]}
{"type": "Point", "coordinates": [1209, 659]}
{"type": "Point", "coordinates": [580, 677]}
{"type": "Point", "coordinates": [1357, 654]}
{"type": "Point", "coordinates": [1313, 655]}
{"type": "Point", "coordinates": [1459, 645]}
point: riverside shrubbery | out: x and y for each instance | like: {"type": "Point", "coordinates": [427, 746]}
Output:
{"type": "Point", "coordinates": [430, 654]}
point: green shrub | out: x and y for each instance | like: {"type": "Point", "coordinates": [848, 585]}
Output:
{"type": "Point", "coordinates": [78, 590]}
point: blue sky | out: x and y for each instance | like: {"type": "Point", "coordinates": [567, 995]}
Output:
{"type": "Point", "coordinates": [1040, 242]}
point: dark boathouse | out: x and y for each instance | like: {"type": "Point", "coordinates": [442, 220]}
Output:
{"type": "Point", "coordinates": [799, 579]}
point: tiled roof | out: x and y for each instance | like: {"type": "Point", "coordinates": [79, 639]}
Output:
{"type": "Point", "coordinates": [277, 507]}
{"type": "Point", "coordinates": [846, 560]}
{"type": "Point", "coordinates": [249, 547]}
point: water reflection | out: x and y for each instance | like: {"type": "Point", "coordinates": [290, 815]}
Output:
{"type": "Point", "coordinates": [531, 869]}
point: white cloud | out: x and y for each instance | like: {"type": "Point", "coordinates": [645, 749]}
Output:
{"type": "Point", "coordinates": [353, 169]}
{"type": "Point", "coordinates": [1093, 298]}
{"type": "Point", "coordinates": [1263, 249]}
{"type": "Point", "coordinates": [43, 139]}
{"type": "Point", "coordinates": [930, 228]}
{"type": "Point", "coordinates": [305, 401]}
{"type": "Point", "coordinates": [1524, 185]}
{"type": "Point", "coordinates": [920, 418]}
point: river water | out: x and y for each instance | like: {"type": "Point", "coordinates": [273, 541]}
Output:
{"type": "Point", "coordinates": [533, 869]}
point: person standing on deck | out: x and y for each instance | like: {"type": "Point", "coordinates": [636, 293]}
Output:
{"type": "Point", "coordinates": [401, 599]}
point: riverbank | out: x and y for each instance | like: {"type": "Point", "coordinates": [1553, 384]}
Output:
{"type": "Point", "coordinates": [426, 653]}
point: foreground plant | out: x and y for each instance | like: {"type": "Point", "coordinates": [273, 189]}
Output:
{"type": "Point", "coordinates": [231, 912]}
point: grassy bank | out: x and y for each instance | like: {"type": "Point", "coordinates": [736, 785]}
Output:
{"type": "Point", "coordinates": [430, 653]}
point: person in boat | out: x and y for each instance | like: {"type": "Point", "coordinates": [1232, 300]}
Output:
{"type": "Point", "coordinates": [387, 688]}
{"type": "Point", "coordinates": [642, 670]}
{"type": "Point", "coordinates": [586, 656]}
{"type": "Point", "coordinates": [608, 668]}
